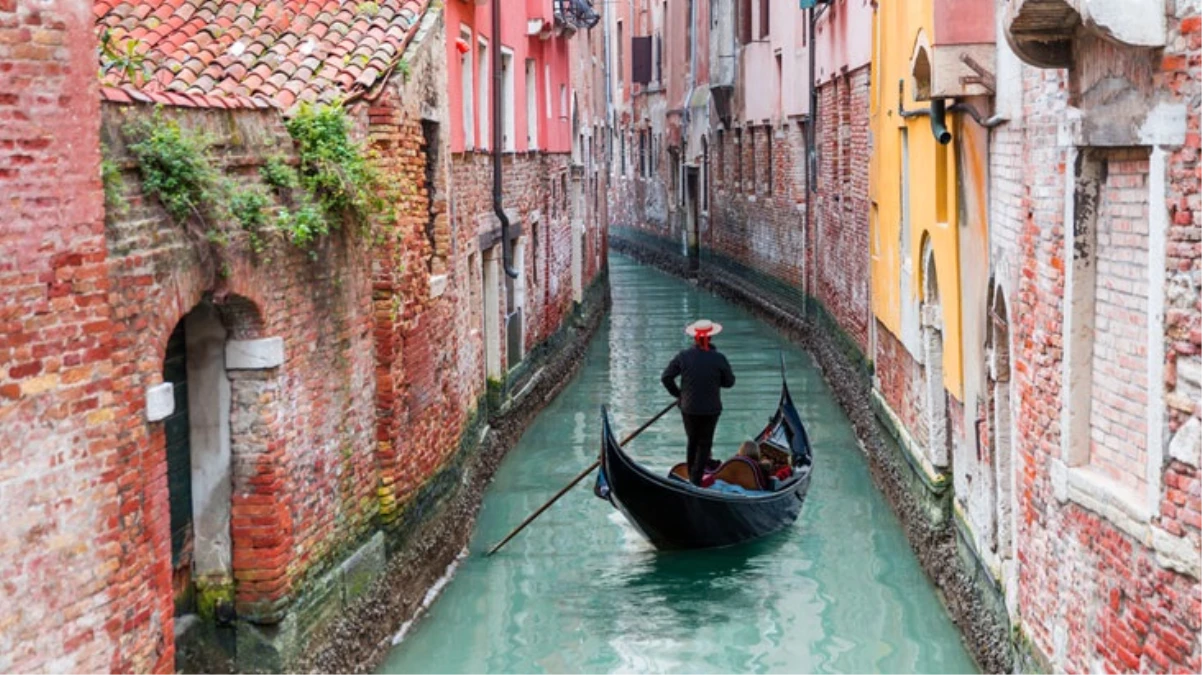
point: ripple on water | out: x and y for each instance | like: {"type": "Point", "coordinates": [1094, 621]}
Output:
{"type": "Point", "coordinates": [581, 591]}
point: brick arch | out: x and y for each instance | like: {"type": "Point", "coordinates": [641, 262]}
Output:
{"type": "Point", "coordinates": [240, 313]}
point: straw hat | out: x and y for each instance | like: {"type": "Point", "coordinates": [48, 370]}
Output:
{"type": "Point", "coordinates": [703, 327]}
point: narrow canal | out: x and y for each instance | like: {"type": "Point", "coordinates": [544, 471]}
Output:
{"type": "Point", "coordinates": [580, 591]}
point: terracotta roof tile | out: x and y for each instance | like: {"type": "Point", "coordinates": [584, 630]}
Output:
{"type": "Point", "coordinates": [270, 53]}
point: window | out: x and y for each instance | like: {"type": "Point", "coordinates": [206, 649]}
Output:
{"type": "Point", "coordinates": [659, 59]}
{"type": "Point", "coordinates": [621, 66]}
{"type": "Point", "coordinates": [468, 114]}
{"type": "Point", "coordinates": [688, 31]}
{"type": "Point", "coordinates": [765, 26]}
{"type": "Point", "coordinates": [721, 155]}
{"type": "Point", "coordinates": [745, 21]}
{"type": "Point", "coordinates": [482, 86]}
{"type": "Point", "coordinates": [563, 101]}
{"type": "Point", "coordinates": [547, 88]}
{"type": "Point", "coordinates": [751, 174]}
{"type": "Point", "coordinates": [622, 150]}
{"type": "Point", "coordinates": [738, 159]}
{"type": "Point", "coordinates": [534, 249]}
{"type": "Point", "coordinates": [641, 55]}
{"type": "Point", "coordinates": [531, 105]}
{"type": "Point", "coordinates": [1110, 319]}
{"type": "Point", "coordinates": [508, 118]}
{"type": "Point", "coordinates": [768, 162]}
{"type": "Point", "coordinates": [643, 153]}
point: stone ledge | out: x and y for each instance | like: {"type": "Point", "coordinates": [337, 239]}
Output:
{"type": "Point", "coordinates": [160, 402]}
{"type": "Point", "coordinates": [261, 354]}
{"type": "Point", "coordinates": [935, 480]}
{"type": "Point", "coordinates": [1108, 499]}
{"type": "Point", "coordinates": [1177, 553]}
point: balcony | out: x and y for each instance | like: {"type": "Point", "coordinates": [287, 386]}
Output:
{"type": "Point", "coordinates": [572, 15]}
{"type": "Point", "coordinates": [1042, 32]}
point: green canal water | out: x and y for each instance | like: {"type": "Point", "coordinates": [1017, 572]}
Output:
{"type": "Point", "coordinates": [580, 591]}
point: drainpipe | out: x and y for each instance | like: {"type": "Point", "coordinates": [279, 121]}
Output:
{"type": "Point", "coordinates": [939, 122]}
{"type": "Point", "coordinates": [497, 124]}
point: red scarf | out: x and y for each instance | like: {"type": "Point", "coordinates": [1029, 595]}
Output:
{"type": "Point", "coordinates": [703, 341]}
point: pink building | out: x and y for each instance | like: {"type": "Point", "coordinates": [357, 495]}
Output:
{"type": "Point", "coordinates": [535, 75]}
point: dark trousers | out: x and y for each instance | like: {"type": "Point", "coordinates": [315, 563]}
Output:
{"type": "Point", "coordinates": [700, 430]}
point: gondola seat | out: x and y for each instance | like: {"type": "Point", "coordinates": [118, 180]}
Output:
{"type": "Point", "coordinates": [680, 471]}
{"type": "Point", "coordinates": [742, 471]}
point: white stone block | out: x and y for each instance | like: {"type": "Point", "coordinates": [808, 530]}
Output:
{"type": "Point", "coordinates": [1177, 553]}
{"type": "Point", "coordinates": [1186, 445]}
{"type": "Point", "coordinates": [1059, 475]}
{"type": "Point", "coordinates": [1189, 372]}
{"type": "Point", "coordinates": [254, 354]}
{"type": "Point", "coordinates": [160, 402]}
{"type": "Point", "coordinates": [438, 285]}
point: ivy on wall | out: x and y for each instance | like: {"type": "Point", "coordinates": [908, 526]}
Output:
{"type": "Point", "coordinates": [333, 183]}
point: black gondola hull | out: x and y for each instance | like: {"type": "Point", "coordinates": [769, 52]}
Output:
{"type": "Point", "coordinates": [673, 514]}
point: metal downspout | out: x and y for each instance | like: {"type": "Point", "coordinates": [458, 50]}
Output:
{"type": "Point", "coordinates": [497, 126]}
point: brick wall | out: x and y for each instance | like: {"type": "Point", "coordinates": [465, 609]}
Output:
{"type": "Point", "coordinates": [1118, 424]}
{"type": "Point", "coordinates": [63, 549]}
{"type": "Point", "coordinates": [304, 475]}
{"type": "Point", "coordinates": [1096, 591]}
{"type": "Point", "coordinates": [900, 379]}
{"type": "Point", "coordinates": [759, 221]}
{"type": "Point", "coordinates": [537, 188]}
{"type": "Point", "coordinates": [840, 239]}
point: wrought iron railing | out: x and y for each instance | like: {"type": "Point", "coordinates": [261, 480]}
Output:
{"type": "Point", "coordinates": [576, 13]}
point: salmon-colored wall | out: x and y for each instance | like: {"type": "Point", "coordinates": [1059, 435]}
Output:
{"type": "Point", "coordinates": [843, 39]}
{"type": "Point", "coordinates": [963, 22]}
{"type": "Point", "coordinates": [554, 132]}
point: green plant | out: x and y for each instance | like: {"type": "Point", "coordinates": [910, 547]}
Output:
{"type": "Point", "coordinates": [333, 168]}
{"type": "Point", "coordinates": [175, 167]}
{"type": "Point", "coordinates": [249, 207]}
{"type": "Point", "coordinates": [114, 186]}
{"type": "Point", "coordinates": [277, 173]}
{"type": "Point", "coordinates": [368, 8]}
{"type": "Point", "coordinates": [302, 224]}
{"type": "Point", "coordinates": [125, 60]}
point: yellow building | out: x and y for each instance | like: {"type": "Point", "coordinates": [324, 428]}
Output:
{"type": "Point", "coordinates": [931, 65]}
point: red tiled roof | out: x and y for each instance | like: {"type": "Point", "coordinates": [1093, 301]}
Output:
{"type": "Point", "coordinates": [281, 51]}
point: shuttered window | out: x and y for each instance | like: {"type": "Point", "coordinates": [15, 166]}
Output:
{"type": "Point", "coordinates": [641, 65]}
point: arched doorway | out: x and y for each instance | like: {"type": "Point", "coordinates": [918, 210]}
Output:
{"type": "Point", "coordinates": [199, 467]}
{"type": "Point", "coordinates": [1001, 426]}
{"type": "Point", "coordinates": [938, 433]}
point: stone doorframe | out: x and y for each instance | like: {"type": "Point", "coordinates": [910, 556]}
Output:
{"type": "Point", "coordinates": [239, 515]}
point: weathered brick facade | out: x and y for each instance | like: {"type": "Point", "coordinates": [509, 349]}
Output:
{"type": "Point", "coordinates": [840, 241]}
{"type": "Point", "coordinates": [1107, 537]}
{"type": "Point", "coordinates": [72, 580]}
{"type": "Point", "coordinates": [343, 378]}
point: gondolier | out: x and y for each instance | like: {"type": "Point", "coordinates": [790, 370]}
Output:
{"type": "Point", "coordinates": [703, 372]}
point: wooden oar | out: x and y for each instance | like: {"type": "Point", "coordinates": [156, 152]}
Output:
{"type": "Point", "coordinates": [579, 477]}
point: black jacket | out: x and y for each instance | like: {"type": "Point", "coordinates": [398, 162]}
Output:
{"type": "Point", "coordinates": [702, 374]}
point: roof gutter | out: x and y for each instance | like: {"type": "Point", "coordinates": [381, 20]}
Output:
{"type": "Point", "coordinates": [497, 126]}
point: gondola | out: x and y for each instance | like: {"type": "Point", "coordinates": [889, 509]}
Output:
{"type": "Point", "coordinates": [675, 514]}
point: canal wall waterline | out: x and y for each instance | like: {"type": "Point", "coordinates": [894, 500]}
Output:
{"type": "Point", "coordinates": [969, 592]}
{"type": "Point", "coordinates": [429, 535]}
